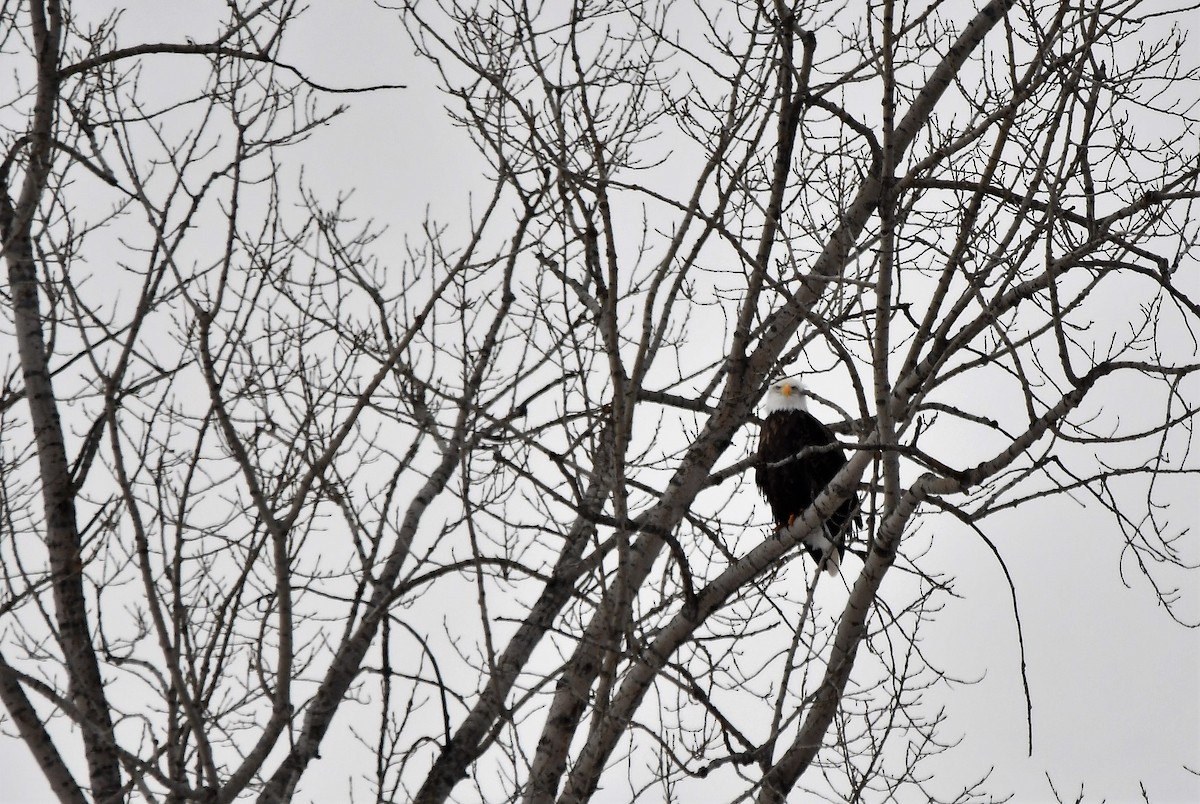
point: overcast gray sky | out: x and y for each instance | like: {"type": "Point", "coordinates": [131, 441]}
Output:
{"type": "Point", "coordinates": [1115, 684]}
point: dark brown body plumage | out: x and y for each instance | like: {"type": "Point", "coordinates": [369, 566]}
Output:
{"type": "Point", "coordinates": [791, 487]}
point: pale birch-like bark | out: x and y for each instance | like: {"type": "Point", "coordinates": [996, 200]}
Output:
{"type": "Point", "coordinates": [468, 514]}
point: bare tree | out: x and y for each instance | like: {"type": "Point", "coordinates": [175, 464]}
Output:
{"type": "Point", "coordinates": [476, 512]}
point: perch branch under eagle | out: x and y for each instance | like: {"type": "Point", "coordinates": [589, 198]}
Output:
{"type": "Point", "coordinates": [797, 458]}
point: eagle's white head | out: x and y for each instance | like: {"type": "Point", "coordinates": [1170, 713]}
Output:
{"type": "Point", "coordinates": [785, 395]}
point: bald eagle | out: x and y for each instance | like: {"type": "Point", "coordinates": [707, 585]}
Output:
{"type": "Point", "coordinates": [791, 483]}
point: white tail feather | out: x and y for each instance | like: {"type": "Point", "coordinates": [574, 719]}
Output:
{"type": "Point", "coordinates": [830, 560]}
